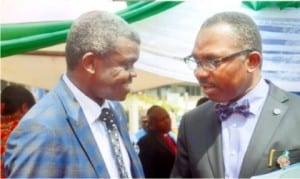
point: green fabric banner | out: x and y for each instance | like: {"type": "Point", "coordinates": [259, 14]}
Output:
{"type": "Point", "coordinates": [24, 37]}
{"type": "Point", "coordinates": [258, 5]}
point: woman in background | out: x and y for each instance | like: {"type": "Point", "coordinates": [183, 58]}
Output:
{"type": "Point", "coordinates": [15, 102]}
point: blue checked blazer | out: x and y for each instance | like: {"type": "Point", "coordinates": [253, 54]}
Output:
{"type": "Point", "coordinates": [54, 140]}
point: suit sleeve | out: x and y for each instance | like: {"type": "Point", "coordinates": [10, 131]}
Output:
{"type": "Point", "coordinates": [33, 151]}
{"type": "Point", "coordinates": [181, 168]}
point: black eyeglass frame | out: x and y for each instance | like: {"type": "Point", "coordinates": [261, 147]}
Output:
{"type": "Point", "coordinates": [211, 64]}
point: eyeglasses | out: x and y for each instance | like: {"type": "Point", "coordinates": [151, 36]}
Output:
{"type": "Point", "coordinates": [211, 65]}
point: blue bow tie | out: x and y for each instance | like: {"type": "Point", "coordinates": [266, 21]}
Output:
{"type": "Point", "coordinates": [223, 111]}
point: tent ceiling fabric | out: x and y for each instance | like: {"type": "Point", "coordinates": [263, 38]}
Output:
{"type": "Point", "coordinates": [169, 36]}
{"type": "Point", "coordinates": [18, 38]}
{"type": "Point", "coordinates": [52, 10]}
{"type": "Point", "coordinates": [45, 71]}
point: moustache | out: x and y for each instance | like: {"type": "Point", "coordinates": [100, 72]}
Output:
{"type": "Point", "coordinates": [203, 81]}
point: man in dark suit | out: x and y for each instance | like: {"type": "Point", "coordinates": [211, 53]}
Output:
{"type": "Point", "coordinates": [62, 136]}
{"type": "Point", "coordinates": [249, 123]}
{"type": "Point", "coordinates": [157, 148]}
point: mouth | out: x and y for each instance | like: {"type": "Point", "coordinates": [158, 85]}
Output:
{"type": "Point", "coordinates": [127, 86]}
{"type": "Point", "coordinates": [207, 87]}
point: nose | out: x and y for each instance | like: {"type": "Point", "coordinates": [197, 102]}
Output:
{"type": "Point", "coordinates": [133, 74]}
{"type": "Point", "coordinates": [200, 72]}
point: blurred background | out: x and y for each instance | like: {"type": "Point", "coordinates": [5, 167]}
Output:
{"type": "Point", "coordinates": [33, 33]}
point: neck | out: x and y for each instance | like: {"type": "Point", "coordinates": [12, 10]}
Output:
{"type": "Point", "coordinates": [254, 83]}
{"type": "Point", "coordinates": [11, 117]}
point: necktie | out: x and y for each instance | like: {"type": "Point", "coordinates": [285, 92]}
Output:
{"type": "Point", "coordinates": [107, 117]}
{"type": "Point", "coordinates": [223, 111]}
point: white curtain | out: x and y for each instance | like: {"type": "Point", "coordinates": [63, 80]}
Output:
{"type": "Point", "coordinates": [169, 36]}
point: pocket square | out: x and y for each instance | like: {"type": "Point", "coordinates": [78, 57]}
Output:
{"type": "Point", "coordinates": [292, 171]}
{"type": "Point", "coordinates": [283, 158]}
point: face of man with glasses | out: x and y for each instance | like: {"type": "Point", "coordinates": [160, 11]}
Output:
{"type": "Point", "coordinates": [226, 71]}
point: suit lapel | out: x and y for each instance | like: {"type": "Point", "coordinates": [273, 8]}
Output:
{"type": "Point", "coordinates": [268, 122]}
{"type": "Point", "coordinates": [215, 154]}
{"type": "Point", "coordinates": [121, 122]}
{"type": "Point", "coordinates": [82, 130]}
{"type": "Point", "coordinates": [87, 141]}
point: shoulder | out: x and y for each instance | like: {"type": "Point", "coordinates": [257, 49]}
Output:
{"type": "Point", "coordinates": [49, 112]}
{"type": "Point", "coordinates": [283, 96]}
{"type": "Point", "coordinates": [46, 112]}
{"type": "Point", "coordinates": [148, 137]}
{"type": "Point", "coordinates": [287, 103]}
{"type": "Point", "coordinates": [140, 133]}
{"type": "Point", "coordinates": [201, 112]}
{"type": "Point", "coordinates": [199, 120]}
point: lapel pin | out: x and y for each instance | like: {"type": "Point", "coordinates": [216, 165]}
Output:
{"type": "Point", "coordinates": [276, 111]}
{"type": "Point", "coordinates": [284, 159]}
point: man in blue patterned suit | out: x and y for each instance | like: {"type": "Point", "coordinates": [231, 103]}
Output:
{"type": "Point", "coordinates": [62, 135]}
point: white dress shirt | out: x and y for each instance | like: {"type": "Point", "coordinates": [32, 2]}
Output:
{"type": "Point", "coordinates": [237, 130]}
{"type": "Point", "coordinates": [92, 111]}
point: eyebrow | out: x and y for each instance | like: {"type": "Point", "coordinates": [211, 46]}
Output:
{"type": "Point", "coordinates": [206, 57]}
{"type": "Point", "coordinates": [130, 61]}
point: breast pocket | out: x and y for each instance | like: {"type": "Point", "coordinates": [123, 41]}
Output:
{"type": "Point", "coordinates": [286, 157]}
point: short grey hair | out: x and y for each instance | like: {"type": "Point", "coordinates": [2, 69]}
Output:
{"type": "Point", "coordinates": [245, 31]}
{"type": "Point", "coordinates": [96, 32]}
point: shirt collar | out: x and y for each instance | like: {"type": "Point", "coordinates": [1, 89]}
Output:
{"type": "Point", "coordinates": [90, 108]}
{"type": "Point", "coordinates": [258, 93]}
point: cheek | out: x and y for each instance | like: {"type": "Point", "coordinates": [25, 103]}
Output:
{"type": "Point", "coordinates": [231, 81]}
{"type": "Point", "coordinates": [110, 84]}
{"type": "Point", "coordinates": [117, 85]}
{"type": "Point", "coordinates": [118, 75]}
{"type": "Point", "coordinates": [113, 78]}
{"type": "Point", "coordinates": [122, 78]}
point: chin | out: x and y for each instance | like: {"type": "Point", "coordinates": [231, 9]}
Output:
{"type": "Point", "coordinates": [122, 96]}
{"type": "Point", "coordinates": [118, 98]}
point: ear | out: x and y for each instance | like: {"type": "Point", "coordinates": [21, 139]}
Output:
{"type": "Point", "coordinates": [2, 107]}
{"type": "Point", "coordinates": [24, 108]}
{"type": "Point", "coordinates": [254, 61]}
{"type": "Point", "coordinates": [88, 62]}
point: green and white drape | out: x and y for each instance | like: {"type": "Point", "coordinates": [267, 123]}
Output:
{"type": "Point", "coordinates": [24, 37]}
{"type": "Point", "coordinates": [168, 30]}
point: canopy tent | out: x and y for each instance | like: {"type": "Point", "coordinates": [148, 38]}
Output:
{"type": "Point", "coordinates": [166, 38]}
{"type": "Point", "coordinates": [45, 30]}
{"type": "Point", "coordinates": [43, 71]}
